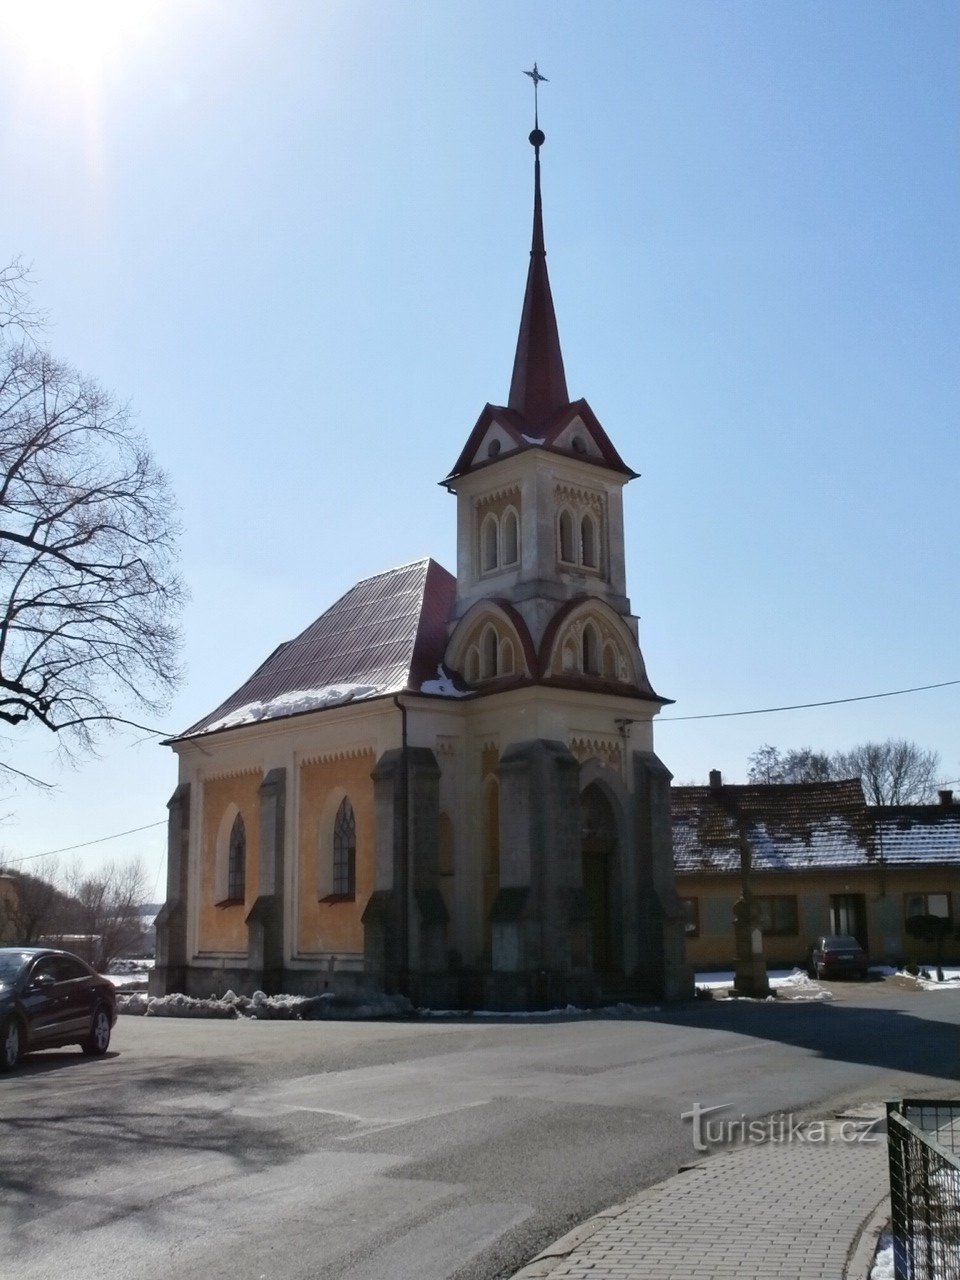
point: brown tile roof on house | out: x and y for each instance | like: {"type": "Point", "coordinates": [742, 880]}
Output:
{"type": "Point", "coordinates": [386, 635]}
{"type": "Point", "coordinates": [914, 835]}
{"type": "Point", "coordinates": [790, 826]}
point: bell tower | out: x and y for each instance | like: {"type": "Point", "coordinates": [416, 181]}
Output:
{"type": "Point", "coordinates": [539, 484]}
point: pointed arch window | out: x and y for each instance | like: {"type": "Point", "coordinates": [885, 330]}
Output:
{"type": "Point", "coordinates": [510, 540]}
{"type": "Point", "coordinates": [591, 650]}
{"type": "Point", "coordinates": [345, 850]}
{"type": "Point", "coordinates": [489, 543]}
{"type": "Point", "coordinates": [588, 542]}
{"type": "Point", "coordinates": [506, 666]}
{"type": "Point", "coordinates": [609, 662]}
{"type": "Point", "coordinates": [473, 665]}
{"type": "Point", "coordinates": [488, 654]}
{"type": "Point", "coordinates": [237, 861]}
{"type": "Point", "coordinates": [566, 547]}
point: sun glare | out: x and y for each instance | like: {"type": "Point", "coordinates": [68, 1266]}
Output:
{"type": "Point", "coordinates": [75, 40]}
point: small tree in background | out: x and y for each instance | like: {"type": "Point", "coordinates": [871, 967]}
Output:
{"type": "Point", "coordinates": [891, 773]}
{"type": "Point", "coordinates": [107, 908]}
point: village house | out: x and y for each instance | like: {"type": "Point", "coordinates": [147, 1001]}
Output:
{"type": "Point", "coordinates": [823, 861]}
{"type": "Point", "coordinates": [446, 785]}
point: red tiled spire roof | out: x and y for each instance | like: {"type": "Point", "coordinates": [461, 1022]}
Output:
{"type": "Point", "coordinates": [538, 388]}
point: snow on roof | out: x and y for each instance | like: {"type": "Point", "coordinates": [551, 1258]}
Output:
{"type": "Point", "coordinates": [790, 827]}
{"type": "Point", "coordinates": [806, 826]}
{"type": "Point", "coordinates": [915, 834]}
{"type": "Point", "coordinates": [386, 635]}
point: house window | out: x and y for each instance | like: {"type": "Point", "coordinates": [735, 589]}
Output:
{"type": "Point", "coordinates": [777, 915]}
{"type": "Point", "coordinates": [237, 861]}
{"type": "Point", "coordinates": [510, 539]}
{"type": "Point", "coordinates": [345, 850]}
{"type": "Point", "coordinates": [691, 917]}
{"type": "Point", "coordinates": [609, 662]}
{"type": "Point", "coordinates": [926, 904]}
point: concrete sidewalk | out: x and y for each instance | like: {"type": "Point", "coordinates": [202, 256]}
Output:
{"type": "Point", "coordinates": [778, 1210]}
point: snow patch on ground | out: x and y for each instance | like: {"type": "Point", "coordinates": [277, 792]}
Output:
{"type": "Point", "coordinates": [882, 1268]}
{"type": "Point", "coordinates": [264, 1007]}
{"type": "Point", "coordinates": [790, 984]}
{"type": "Point", "coordinates": [290, 704]}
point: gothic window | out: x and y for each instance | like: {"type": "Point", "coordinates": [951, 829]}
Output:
{"type": "Point", "coordinates": [237, 861]}
{"type": "Point", "coordinates": [609, 662]}
{"type": "Point", "coordinates": [488, 654]}
{"type": "Point", "coordinates": [345, 850]}
{"type": "Point", "coordinates": [567, 553]}
{"type": "Point", "coordinates": [591, 650]}
{"type": "Point", "coordinates": [473, 665]}
{"type": "Point", "coordinates": [506, 659]}
{"type": "Point", "coordinates": [510, 539]}
{"type": "Point", "coordinates": [489, 544]}
{"type": "Point", "coordinates": [588, 542]}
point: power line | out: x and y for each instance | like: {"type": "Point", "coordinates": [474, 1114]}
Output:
{"type": "Point", "coordinates": [87, 843]}
{"type": "Point", "coordinates": [802, 706]}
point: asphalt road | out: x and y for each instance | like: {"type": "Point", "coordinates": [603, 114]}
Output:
{"type": "Point", "coordinates": [408, 1151]}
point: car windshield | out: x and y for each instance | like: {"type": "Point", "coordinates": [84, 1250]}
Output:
{"type": "Point", "coordinates": [842, 943]}
{"type": "Point", "coordinates": [11, 966]}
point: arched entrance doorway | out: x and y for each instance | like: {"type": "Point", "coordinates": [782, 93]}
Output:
{"type": "Point", "coordinates": [598, 843]}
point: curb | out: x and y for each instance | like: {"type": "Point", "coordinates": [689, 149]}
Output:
{"type": "Point", "coordinates": [864, 1247]}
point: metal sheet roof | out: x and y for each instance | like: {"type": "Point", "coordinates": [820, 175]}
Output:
{"type": "Point", "coordinates": [386, 635]}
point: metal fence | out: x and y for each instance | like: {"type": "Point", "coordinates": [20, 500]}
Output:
{"type": "Point", "coordinates": [923, 1139]}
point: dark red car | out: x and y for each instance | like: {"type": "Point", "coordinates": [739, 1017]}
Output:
{"type": "Point", "coordinates": [49, 999]}
{"type": "Point", "coordinates": [838, 956]}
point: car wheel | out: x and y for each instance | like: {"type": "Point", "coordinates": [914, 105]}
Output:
{"type": "Point", "coordinates": [98, 1041]}
{"type": "Point", "coordinates": [11, 1044]}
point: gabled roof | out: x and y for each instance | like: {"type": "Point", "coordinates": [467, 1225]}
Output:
{"type": "Point", "coordinates": [525, 437]}
{"type": "Point", "coordinates": [911, 835]}
{"type": "Point", "coordinates": [790, 826]}
{"type": "Point", "coordinates": [386, 635]}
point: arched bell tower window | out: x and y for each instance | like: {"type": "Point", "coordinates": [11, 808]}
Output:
{"type": "Point", "coordinates": [489, 544]}
{"type": "Point", "coordinates": [609, 662]}
{"type": "Point", "coordinates": [510, 540]}
{"type": "Point", "coordinates": [488, 654]}
{"type": "Point", "coordinates": [588, 543]}
{"type": "Point", "coordinates": [345, 850]}
{"type": "Point", "coordinates": [506, 665]}
{"type": "Point", "coordinates": [591, 650]}
{"type": "Point", "coordinates": [566, 548]}
{"type": "Point", "coordinates": [237, 861]}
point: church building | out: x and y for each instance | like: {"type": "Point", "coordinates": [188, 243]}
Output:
{"type": "Point", "coordinates": [446, 786]}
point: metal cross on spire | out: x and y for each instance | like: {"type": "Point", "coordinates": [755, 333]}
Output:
{"type": "Point", "coordinates": [537, 79]}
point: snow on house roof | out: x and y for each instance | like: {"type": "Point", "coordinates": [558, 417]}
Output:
{"type": "Point", "coordinates": [790, 826]}
{"type": "Point", "coordinates": [386, 635]}
{"type": "Point", "coordinates": [914, 834]}
{"type": "Point", "coordinates": [805, 827]}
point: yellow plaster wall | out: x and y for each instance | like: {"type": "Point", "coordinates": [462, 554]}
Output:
{"type": "Point", "coordinates": [334, 926]}
{"type": "Point", "coordinates": [224, 928]}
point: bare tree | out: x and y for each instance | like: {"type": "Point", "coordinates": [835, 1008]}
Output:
{"type": "Point", "coordinates": [892, 772]}
{"type": "Point", "coordinates": [769, 764]}
{"type": "Point", "coordinates": [107, 909]}
{"type": "Point", "coordinates": [89, 592]}
{"type": "Point", "coordinates": [33, 907]}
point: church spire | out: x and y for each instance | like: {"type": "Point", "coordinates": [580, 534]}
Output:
{"type": "Point", "coordinates": [538, 387]}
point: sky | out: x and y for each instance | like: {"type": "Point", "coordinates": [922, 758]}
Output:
{"type": "Point", "coordinates": [294, 237]}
